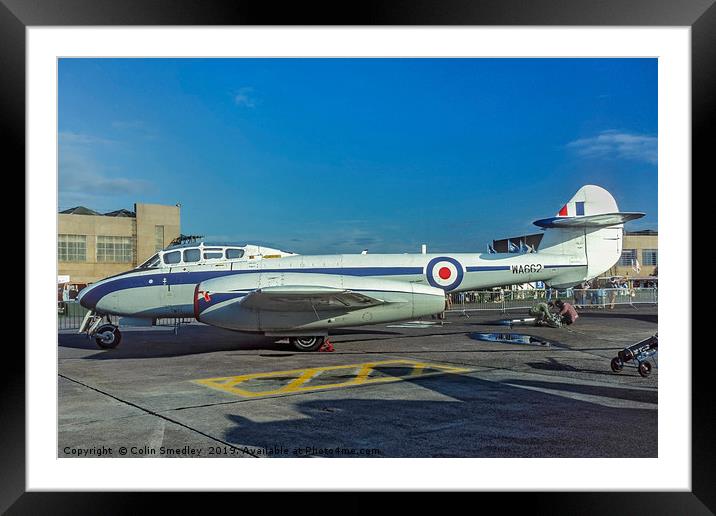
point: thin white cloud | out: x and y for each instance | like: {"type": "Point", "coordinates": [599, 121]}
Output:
{"type": "Point", "coordinates": [128, 124]}
{"type": "Point", "coordinates": [83, 180]}
{"type": "Point", "coordinates": [614, 144]}
{"type": "Point", "coordinates": [72, 138]}
{"type": "Point", "coordinates": [136, 128]}
{"type": "Point", "coordinates": [244, 97]}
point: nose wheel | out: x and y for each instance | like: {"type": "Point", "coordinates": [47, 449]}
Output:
{"type": "Point", "coordinates": [108, 336]}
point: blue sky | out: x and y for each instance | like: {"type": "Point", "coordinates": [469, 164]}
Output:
{"type": "Point", "coordinates": [338, 155]}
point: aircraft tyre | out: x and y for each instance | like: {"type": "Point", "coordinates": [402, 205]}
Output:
{"type": "Point", "coordinates": [108, 336]}
{"type": "Point", "coordinates": [645, 369]}
{"type": "Point", "coordinates": [307, 343]}
{"type": "Point", "coordinates": [617, 364]}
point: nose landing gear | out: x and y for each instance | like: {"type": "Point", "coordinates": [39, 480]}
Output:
{"type": "Point", "coordinates": [108, 336]}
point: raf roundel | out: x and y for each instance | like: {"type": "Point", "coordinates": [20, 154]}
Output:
{"type": "Point", "coordinates": [444, 272]}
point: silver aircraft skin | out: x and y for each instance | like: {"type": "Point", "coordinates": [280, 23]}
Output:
{"type": "Point", "coordinates": [253, 289]}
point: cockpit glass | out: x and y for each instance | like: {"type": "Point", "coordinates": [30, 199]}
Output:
{"type": "Point", "coordinates": [192, 255]}
{"type": "Point", "coordinates": [151, 263]}
{"type": "Point", "coordinates": [172, 258]}
{"type": "Point", "coordinates": [232, 254]}
{"type": "Point", "coordinates": [213, 256]}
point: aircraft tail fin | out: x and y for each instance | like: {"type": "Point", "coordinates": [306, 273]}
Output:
{"type": "Point", "coordinates": [588, 229]}
{"type": "Point", "coordinates": [591, 206]}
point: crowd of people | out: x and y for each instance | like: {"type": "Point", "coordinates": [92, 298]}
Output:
{"type": "Point", "coordinates": [607, 292]}
{"type": "Point", "coordinates": [597, 293]}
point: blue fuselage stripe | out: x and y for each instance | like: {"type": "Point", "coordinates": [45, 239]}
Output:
{"type": "Point", "coordinates": [123, 282]}
{"type": "Point", "coordinates": [481, 268]}
{"type": "Point", "coordinates": [167, 279]}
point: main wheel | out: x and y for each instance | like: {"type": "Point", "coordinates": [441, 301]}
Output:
{"type": "Point", "coordinates": [645, 369]}
{"type": "Point", "coordinates": [108, 336]}
{"type": "Point", "coordinates": [307, 343]}
{"type": "Point", "coordinates": [617, 364]}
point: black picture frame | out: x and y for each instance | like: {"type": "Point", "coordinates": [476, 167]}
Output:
{"type": "Point", "coordinates": [700, 15]}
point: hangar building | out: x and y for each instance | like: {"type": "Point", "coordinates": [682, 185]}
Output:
{"type": "Point", "coordinates": [93, 245]}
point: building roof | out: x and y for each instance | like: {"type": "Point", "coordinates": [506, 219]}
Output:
{"type": "Point", "coordinates": [643, 232]}
{"type": "Point", "coordinates": [120, 213]}
{"type": "Point", "coordinates": [533, 240]}
{"type": "Point", "coordinates": [80, 210]}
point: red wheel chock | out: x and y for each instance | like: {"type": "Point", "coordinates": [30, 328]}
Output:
{"type": "Point", "coordinates": [327, 347]}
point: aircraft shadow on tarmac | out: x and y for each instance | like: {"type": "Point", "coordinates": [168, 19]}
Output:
{"type": "Point", "coordinates": [157, 344]}
{"type": "Point", "coordinates": [208, 340]}
{"type": "Point", "coordinates": [480, 419]}
{"type": "Point", "coordinates": [165, 344]}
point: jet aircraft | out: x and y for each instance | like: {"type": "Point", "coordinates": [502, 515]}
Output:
{"type": "Point", "coordinates": [304, 298]}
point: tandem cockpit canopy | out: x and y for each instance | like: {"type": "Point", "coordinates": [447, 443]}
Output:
{"type": "Point", "coordinates": [204, 253]}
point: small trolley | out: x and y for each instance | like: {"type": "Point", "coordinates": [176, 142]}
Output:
{"type": "Point", "coordinates": [639, 354]}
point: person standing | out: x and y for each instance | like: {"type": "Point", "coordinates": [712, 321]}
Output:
{"type": "Point", "coordinates": [613, 290]}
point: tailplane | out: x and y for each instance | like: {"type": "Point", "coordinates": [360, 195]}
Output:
{"type": "Point", "coordinates": [588, 230]}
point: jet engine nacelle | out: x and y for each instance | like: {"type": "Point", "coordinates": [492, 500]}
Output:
{"type": "Point", "coordinates": [298, 303]}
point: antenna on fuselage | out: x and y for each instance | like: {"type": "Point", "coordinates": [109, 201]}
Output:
{"type": "Point", "coordinates": [186, 239]}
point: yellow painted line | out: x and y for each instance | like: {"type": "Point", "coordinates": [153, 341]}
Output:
{"type": "Point", "coordinates": [307, 375]}
{"type": "Point", "coordinates": [418, 370]}
{"type": "Point", "coordinates": [303, 376]}
{"type": "Point", "coordinates": [363, 373]}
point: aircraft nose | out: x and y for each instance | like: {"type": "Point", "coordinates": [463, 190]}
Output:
{"type": "Point", "coordinates": [84, 299]}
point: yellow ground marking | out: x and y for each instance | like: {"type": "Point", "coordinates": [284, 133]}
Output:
{"type": "Point", "coordinates": [299, 379]}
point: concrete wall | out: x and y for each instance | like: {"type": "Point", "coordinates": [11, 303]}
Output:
{"type": "Point", "coordinates": [140, 229]}
{"type": "Point", "coordinates": [91, 226]}
{"type": "Point", "coordinates": [149, 216]}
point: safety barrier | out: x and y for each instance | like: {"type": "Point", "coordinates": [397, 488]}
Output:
{"type": "Point", "coordinates": [70, 315]}
{"type": "Point", "coordinates": [504, 300]}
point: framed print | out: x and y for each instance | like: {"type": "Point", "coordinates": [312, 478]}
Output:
{"type": "Point", "coordinates": [308, 236]}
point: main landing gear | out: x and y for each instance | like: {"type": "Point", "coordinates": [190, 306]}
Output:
{"type": "Point", "coordinates": [311, 343]}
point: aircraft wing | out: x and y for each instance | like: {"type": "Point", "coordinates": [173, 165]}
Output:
{"type": "Point", "coordinates": [296, 298]}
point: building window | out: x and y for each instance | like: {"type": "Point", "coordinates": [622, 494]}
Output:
{"type": "Point", "coordinates": [114, 249]}
{"type": "Point", "coordinates": [627, 258]}
{"type": "Point", "coordinates": [158, 238]}
{"type": "Point", "coordinates": [72, 248]}
{"type": "Point", "coordinates": [650, 256]}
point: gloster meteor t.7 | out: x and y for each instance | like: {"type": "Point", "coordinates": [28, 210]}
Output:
{"type": "Point", "coordinates": [256, 289]}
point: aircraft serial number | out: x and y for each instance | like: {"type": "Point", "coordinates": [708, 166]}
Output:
{"type": "Point", "coordinates": [526, 269]}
